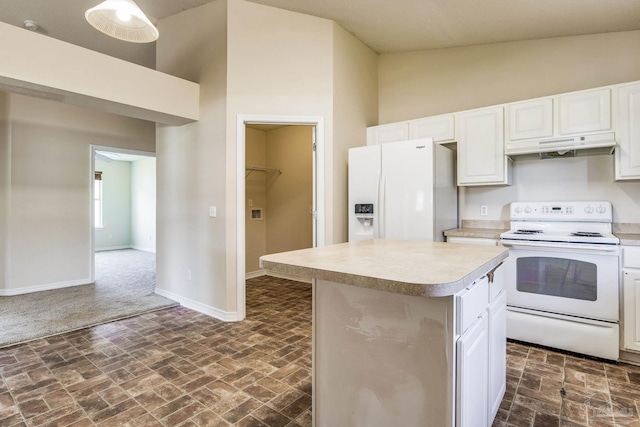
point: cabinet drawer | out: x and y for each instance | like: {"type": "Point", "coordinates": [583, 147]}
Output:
{"type": "Point", "coordinates": [631, 257]}
{"type": "Point", "coordinates": [471, 303]}
{"type": "Point", "coordinates": [473, 241]}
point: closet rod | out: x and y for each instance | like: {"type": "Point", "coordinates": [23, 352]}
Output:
{"type": "Point", "coordinates": [260, 169]}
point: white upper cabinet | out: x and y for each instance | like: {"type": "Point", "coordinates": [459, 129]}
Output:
{"type": "Point", "coordinates": [481, 159]}
{"type": "Point", "coordinates": [628, 132]}
{"type": "Point", "coordinates": [530, 119]}
{"type": "Point", "coordinates": [582, 112]}
{"type": "Point", "coordinates": [440, 128]}
{"type": "Point", "coordinates": [391, 132]}
{"type": "Point", "coordinates": [556, 118]}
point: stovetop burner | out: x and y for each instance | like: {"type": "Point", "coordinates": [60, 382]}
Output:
{"type": "Point", "coordinates": [527, 232]}
{"type": "Point", "coordinates": [586, 234]}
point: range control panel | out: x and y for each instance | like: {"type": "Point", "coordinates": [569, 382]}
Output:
{"type": "Point", "coordinates": [599, 211]}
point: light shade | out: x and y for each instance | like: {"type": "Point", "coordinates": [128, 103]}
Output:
{"type": "Point", "coordinates": [123, 20]}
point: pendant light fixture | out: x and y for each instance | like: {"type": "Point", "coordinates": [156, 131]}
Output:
{"type": "Point", "coordinates": [123, 20]}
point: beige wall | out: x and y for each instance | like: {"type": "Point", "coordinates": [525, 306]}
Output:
{"type": "Point", "coordinates": [290, 194]}
{"type": "Point", "coordinates": [116, 205]}
{"type": "Point", "coordinates": [50, 224]}
{"type": "Point", "coordinates": [420, 84]}
{"type": "Point", "coordinates": [143, 204]}
{"type": "Point", "coordinates": [355, 106]}
{"type": "Point", "coordinates": [288, 72]}
{"type": "Point", "coordinates": [426, 83]}
{"type": "Point", "coordinates": [249, 59]}
{"type": "Point", "coordinates": [580, 178]}
{"type": "Point", "coordinates": [191, 162]}
{"type": "Point", "coordinates": [86, 78]}
{"type": "Point", "coordinates": [256, 191]}
{"type": "Point", "coordinates": [4, 182]}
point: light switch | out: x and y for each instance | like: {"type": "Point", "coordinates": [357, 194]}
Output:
{"type": "Point", "coordinates": [213, 212]}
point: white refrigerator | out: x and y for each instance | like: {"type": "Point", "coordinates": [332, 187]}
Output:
{"type": "Point", "coordinates": [402, 190]}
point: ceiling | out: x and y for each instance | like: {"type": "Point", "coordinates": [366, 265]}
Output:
{"type": "Point", "coordinates": [387, 26]}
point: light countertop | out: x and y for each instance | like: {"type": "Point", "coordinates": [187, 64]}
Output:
{"type": "Point", "coordinates": [480, 229]}
{"type": "Point", "coordinates": [628, 239]}
{"type": "Point", "coordinates": [417, 268]}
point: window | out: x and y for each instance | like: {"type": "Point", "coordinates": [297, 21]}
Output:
{"type": "Point", "coordinates": [97, 200]}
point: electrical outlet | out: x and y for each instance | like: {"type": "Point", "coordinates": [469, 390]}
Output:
{"type": "Point", "coordinates": [484, 210]}
{"type": "Point", "coordinates": [250, 202]}
{"type": "Point", "coordinates": [213, 212]}
{"type": "Point", "coordinates": [188, 274]}
{"type": "Point", "coordinates": [110, 236]}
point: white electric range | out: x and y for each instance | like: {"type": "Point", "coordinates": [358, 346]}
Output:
{"type": "Point", "coordinates": [562, 276]}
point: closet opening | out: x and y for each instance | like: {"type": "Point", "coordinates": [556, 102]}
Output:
{"type": "Point", "coordinates": [280, 192]}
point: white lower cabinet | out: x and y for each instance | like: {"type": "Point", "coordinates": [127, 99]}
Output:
{"type": "Point", "coordinates": [497, 353]}
{"type": "Point", "coordinates": [631, 298]}
{"type": "Point", "coordinates": [472, 375]}
{"type": "Point", "coordinates": [481, 351]}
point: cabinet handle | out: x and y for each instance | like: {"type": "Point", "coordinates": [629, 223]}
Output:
{"type": "Point", "coordinates": [490, 274]}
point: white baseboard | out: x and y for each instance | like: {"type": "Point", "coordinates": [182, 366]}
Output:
{"type": "Point", "coordinates": [144, 249]}
{"type": "Point", "coordinates": [629, 357]}
{"type": "Point", "coordinates": [45, 287]}
{"type": "Point", "coordinates": [199, 307]}
{"type": "Point", "coordinates": [254, 274]}
{"type": "Point", "coordinates": [112, 248]}
{"type": "Point", "coordinates": [289, 277]}
{"type": "Point", "coordinates": [260, 273]}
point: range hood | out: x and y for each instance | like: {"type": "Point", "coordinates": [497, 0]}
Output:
{"type": "Point", "coordinates": [581, 145]}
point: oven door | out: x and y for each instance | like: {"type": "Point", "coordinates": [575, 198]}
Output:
{"type": "Point", "coordinates": [575, 280]}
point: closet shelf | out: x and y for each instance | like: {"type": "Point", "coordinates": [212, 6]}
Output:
{"type": "Point", "coordinates": [260, 169]}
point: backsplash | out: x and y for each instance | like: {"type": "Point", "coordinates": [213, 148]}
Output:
{"type": "Point", "coordinates": [580, 178]}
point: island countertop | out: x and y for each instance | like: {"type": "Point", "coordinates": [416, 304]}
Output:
{"type": "Point", "coordinates": [409, 267]}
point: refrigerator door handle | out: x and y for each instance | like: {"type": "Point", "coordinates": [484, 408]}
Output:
{"type": "Point", "coordinates": [382, 187]}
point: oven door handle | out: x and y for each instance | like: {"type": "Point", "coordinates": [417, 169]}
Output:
{"type": "Point", "coordinates": [562, 247]}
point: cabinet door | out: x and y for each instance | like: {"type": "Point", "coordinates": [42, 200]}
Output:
{"type": "Point", "coordinates": [631, 290]}
{"type": "Point", "coordinates": [481, 159]}
{"type": "Point", "coordinates": [471, 375]}
{"type": "Point", "coordinates": [532, 119]}
{"type": "Point", "coordinates": [628, 133]}
{"type": "Point", "coordinates": [497, 353]}
{"type": "Point", "coordinates": [584, 112]}
{"type": "Point", "coordinates": [387, 133]}
{"type": "Point", "coordinates": [440, 128]}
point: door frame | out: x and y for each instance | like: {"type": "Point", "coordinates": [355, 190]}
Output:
{"type": "Point", "coordinates": [318, 190]}
{"type": "Point", "coordinates": [92, 162]}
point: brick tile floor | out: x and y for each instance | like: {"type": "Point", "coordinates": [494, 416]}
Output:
{"type": "Point", "coordinates": [176, 367]}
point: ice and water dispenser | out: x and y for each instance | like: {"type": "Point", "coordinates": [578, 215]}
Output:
{"type": "Point", "coordinates": [364, 221]}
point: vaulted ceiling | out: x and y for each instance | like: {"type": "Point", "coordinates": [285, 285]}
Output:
{"type": "Point", "coordinates": [387, 26]}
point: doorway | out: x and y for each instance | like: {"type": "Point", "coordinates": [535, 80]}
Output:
{"type": "Point", "coordinates": [123, 213]}
{"type": "Point", "coordinates": [278, 191]}
{"type": "Point", "coordinates": [317, 208]}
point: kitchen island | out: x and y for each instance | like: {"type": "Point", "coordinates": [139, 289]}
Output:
{"type": "Point", "coordinates": [406, 333]}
